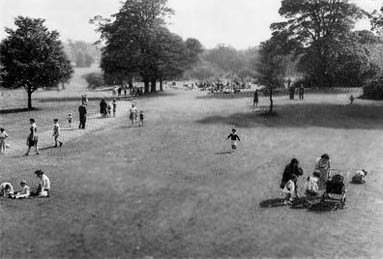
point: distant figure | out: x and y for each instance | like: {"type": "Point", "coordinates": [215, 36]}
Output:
{"type": "Point", "coordinates": [44, 184]}
{"type": "Point", "coordinates": [25, 191]}
{"type": "Point", "coordinates": [292, 92]}
{"type": "Point", "coordinates": [255, 100]}
{"type": "Point", "coordinates": [133, 114]}
{"type": "Point", "coordinates": [32, 140]}
{"type": "Point", "coordinates": [82, 112]}
{"type": "Point", "coordinates": [84, 99]}
{"type": "Point", "coordinates": [3, 137]}
{"type": "Point", "coordinates": [103, 108]}
{"type": "Point", "coordinates": [234, 137]}
{"type": "Point", "coordinates": [119, 91]}
{"type": "Point", "coordinates": [114, 103]}
{"type": "Point", "coordinates": [114, 91]}
{"type": "Point", "coordinates": [141, 122]}
{"type": "Point", "coordinates": [125, 90]}
{"type": "Point", "coordinates": [301, 92]}
{"type": "Point", "coordinates": [109, 110]}
{"type": "Point", "coordinates": [70, 119]}
{"type": "Point", "coordinates": [6, 190]}
{"type": "Point", "coordinates": [56, 133]}
{"type": "Point", "coordinates": [352, 99]}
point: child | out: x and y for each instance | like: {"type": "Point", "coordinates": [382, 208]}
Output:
{"type": "Point", "coordinates": [44, 184]}
{"type": "Point", "coordinates": [234, 137]}
{"type": "Point", "coordinates": [289, 190]}
{"type": "Point", "coordinates": [133, 114]}
{"type": "Point", "coordinates": [3, 137]}
{"type": "Point", "coordinates": [109, 110]}
{"type": "Point", "coordinates": [114, 102]}
{"type": "Point", "coordinates": [141, 123]}
{"type": "Point", "coordinates": [6, 190]}
{"type": "Point", "coordinates": [70, 118]}
{"type": "Point", "coordinates": [56, 132]}
{"type": "Point", "coordinates": [352, 98]}
{"type": "Point", "coordinates": [359, 177]}
{"type": "Point", "coordinates": [32, 140]}
{"type": "Point", "coordinates": [25, 191]}
{"type": "Point", "coordinates": [311, 186]}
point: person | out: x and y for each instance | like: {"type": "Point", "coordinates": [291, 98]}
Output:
{"type": "Point", "coordinates": [6, 190]}
{"type": "Point", "coordinates": [119, 90]}
{"type": "Point", "coordinates": [84, 99]}
{"type": "Point", "coordinates": [322, 168]}
{"type": "Point", "coordinates": [255, 100]}
{"type": "Point", "coordinates": [114, 91]}
{"type": "Point", "coordinates": [290, 190]}
{"type": "Point", "coordinates": [352, 99]}
{"type": "Point", "coordinates": [70, 118]}
{"type": "Point", "coordinates": [114, 103]}
{"type": "Point", "coordinates": [103, 107]}
{"type": "Point", "coordinates": [25, 191]}
{"type": "Point", "coordinates": [3, 137]}
{"type": "Point", "coordinates": [109, 110]}
{"type": "Point", "coordinates": [234, 137]}
{"type": "Point", "coordinates": [125, 90]}
{"type": "Point", "coordinates": [44, 184]}
{"type": "Point", "coordinates": [359, 177]}
{"type": "Point", "coordinates": [56, 133]}
{"type": "Point", "coordinates": [292, 171]}
{"type": "Point", "coordinates": [141, 122]}
{"type": "Point", "coordinates": [82, 113]}
{"type": "Point", "coordinates": [133, 114]}
{"type": "Point", "coordinates": [292, 92]}
{"type": "Point", "coordinates": [32, 140]}
{"type": "Point", "coordinates": [301, 92]}
{"type": "Point", "coordinates": [311, 186]}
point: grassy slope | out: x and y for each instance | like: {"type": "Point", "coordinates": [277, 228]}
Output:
{"type": "Point", "coordinates": [169, 189]}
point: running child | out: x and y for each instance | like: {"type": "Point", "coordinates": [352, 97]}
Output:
{"type": "Point", "coordinates": [70, 118]}
{"type": "Point", "coordinates": [141, 122]}
{"type": "Point", "coordinates": [234, 137]}
{"type": "Point", "coordinates": [3, 137]}
{"type": "Point", "coordinates": [56, 133]}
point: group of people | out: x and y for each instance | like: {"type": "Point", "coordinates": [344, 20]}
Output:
{"type": "Point", "coordinates": [43, 189]}
{"type": "Point", "coordinates": [106, 109]}
{"type": "Point", "coordinates": [134, 115]}
{"type": "Point", "coordinates": [316, 183]}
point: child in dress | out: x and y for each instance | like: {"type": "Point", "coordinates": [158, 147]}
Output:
{"type": "Point", "coordinates": [70, 118]}
{"type": "Point", "coordinates": [234, 137]}
{"type": "Point", "coordinates": [56, 133]}
{"type": "Point", "coordinates": [3, 137]}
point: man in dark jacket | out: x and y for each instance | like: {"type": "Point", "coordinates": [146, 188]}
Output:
{"type": "Point", "coordinates": [289, 172]}
{"type": "Point", "coordinates": [82, 113]}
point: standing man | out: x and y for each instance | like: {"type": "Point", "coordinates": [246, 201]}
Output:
{"type": "Point", "coordinates": [301, 92]}
{"type": "Point", "coordinates": [82, 113]}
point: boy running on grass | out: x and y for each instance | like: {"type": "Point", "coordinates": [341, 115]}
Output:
{"type": "Point", "coordinates": [3, 137]}
{"type": "Point", "coordinates": [234, 137]}
{"type": "Point", "coordinates": [56, 132]}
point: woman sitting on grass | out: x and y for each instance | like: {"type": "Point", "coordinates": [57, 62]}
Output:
{"type": "Point", "coordinates": [44, 185]}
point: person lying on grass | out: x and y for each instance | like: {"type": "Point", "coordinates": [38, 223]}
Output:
{"type": "Point", "coordinates": [6, 190]}
{"type": "Point", "coordinates": [44, 184]}
{"type": "Point", "coordinates": [292, 171]}
{"type": "Point", "coordinates": [359, 177]}
{"type": "Point", "coordinates": [24, 193]}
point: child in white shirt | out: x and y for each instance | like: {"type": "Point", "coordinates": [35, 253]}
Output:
{"type": "Point", "coordinates": [44, 184]}
{"type": "Point", "coordinates": [25, 191]}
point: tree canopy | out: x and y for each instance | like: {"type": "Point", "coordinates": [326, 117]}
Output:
{"type": "Point", "coordinates": [32, 57]}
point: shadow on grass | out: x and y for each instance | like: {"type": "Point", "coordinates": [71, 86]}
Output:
{"type": "Point", "coordinates": [307, 115]}
{"type": "Point", "coordinates": [272, 203]}
{"type": "Point", "coordinates": [322, 206]}
{"type": "Point", "coordinates": [17, 110]}
{"type": "Point", "coordinates": [223, 153]}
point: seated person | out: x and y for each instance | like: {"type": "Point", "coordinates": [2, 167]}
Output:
{"type": "Point", "coordinates": [360, 176]}
{"type": "Point", "coordinates": [6, 190]}
{"type": "Point", "coordinates": [290, 190]}
{"type": "Point", "coordinates": [25, 191]}
{"type": "Point", "coordinates": [44, 184]}
{"type": "Point", "coordinates": [311, 186]}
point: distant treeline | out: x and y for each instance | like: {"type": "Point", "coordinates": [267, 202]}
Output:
{"type": "Point", "coordinates": [81, 53]}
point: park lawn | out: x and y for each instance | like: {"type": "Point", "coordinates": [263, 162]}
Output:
{"type": "Point", "coordinates": [171, 190]}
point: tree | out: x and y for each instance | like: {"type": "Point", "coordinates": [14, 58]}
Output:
{"type": "Point", "coordinates": [318, 28]}
{"type": "Point", "coordinates": [32, 57]}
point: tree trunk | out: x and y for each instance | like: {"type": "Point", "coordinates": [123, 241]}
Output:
{"type": "Point", "coordinates": [161, 87]}
{"type": "Point", "coordinates": [271, 100]}
{"type": "Point", "coordinates": [146, 86]}
{"type": "Point", "coordinates": [29, 91]}
{"type": "Point", "coordinates": [153, 86]}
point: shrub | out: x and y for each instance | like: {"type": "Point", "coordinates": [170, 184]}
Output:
{"type": "Point", "coordinates": [94, 80]}
{"type": "Point", "coordinates": [373, 89]}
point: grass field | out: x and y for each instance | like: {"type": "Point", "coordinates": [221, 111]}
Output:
{"type": "Point", "coordinates": [171, 189]}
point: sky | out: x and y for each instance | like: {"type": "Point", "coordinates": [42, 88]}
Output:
{"type": "Point", "coordinates": [238, 23]}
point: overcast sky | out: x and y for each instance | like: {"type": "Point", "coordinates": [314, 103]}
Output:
{"type": "Point", "coordinates": [239, 23]}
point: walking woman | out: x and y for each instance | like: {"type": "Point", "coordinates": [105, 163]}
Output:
{"type": "Point", "coordinates": [32, 140]}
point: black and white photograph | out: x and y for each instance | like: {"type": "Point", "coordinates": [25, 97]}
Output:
{"type": "Point", "coordinates": [198, 129]}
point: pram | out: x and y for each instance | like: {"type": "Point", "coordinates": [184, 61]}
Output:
{"type": "Point", "coordinates": [335, 188]}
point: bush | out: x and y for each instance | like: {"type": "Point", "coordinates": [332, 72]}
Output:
{"type": "Point", "coordinates": [94, 80]}
{"type": "Point", "coordinates": [373, 89]}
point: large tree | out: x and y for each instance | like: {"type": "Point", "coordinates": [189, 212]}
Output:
{"type": "Point", "coordinates": [32, 57]}
{"type": "Point", "coordinates": [322, 33]}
